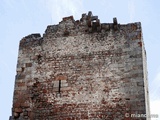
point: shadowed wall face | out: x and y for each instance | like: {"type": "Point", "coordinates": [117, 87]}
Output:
{"type": "Point", "coordinates": [81, 70]}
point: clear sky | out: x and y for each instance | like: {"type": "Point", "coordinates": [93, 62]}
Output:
{"type": "Point", "coordinates": [19, 18]}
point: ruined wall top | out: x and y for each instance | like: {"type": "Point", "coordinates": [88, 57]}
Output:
{"type": "Point", "coordinates": [87, 24]}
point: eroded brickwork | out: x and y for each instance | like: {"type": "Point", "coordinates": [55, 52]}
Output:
{"type": "Point", "coordinates": [80, 70]}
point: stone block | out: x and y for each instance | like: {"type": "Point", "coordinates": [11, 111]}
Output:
{"type": "Point", "coordinates": [18, 110]}
{"type": "Point", "coordinates": [28, 65]}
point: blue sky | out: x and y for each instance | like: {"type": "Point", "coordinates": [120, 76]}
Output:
{"type": "Point", "coordinates": [23, 17]}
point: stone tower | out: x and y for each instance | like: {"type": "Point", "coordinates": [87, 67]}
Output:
{"type": "Point", "coordinates": [80, 70]}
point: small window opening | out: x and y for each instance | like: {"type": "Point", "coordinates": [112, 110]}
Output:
{"type": "Point", "coordinates": [22, 69]}
{"type": "Point", "coordinates": [39, 59]}
{"type": "Point", "coordinates": [59, 88]}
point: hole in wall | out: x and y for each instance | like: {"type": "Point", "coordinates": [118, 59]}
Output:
{"type": "Point", "coordinates": [22, 69]}
{"type": "Point", "coordinates": [39, 59]}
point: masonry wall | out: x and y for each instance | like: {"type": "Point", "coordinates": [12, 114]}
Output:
{"type": "Point", "coordinates": [81, 70]}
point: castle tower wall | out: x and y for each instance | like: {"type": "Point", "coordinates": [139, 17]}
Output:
{"type": "Point", "coordinates": [82, 70]}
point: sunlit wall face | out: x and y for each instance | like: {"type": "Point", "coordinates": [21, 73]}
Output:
{"type": "Point", "coordinates": [18, 19]}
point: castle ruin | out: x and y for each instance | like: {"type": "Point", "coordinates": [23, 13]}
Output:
{"type": "Point", "coordinates": [82, 70]}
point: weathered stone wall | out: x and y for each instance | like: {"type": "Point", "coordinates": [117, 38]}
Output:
{"type": "Point", "coordinates": [81, 70]}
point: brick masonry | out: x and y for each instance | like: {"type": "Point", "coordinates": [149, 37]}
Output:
{"type": "Point", "coordinates": [80, 70]}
